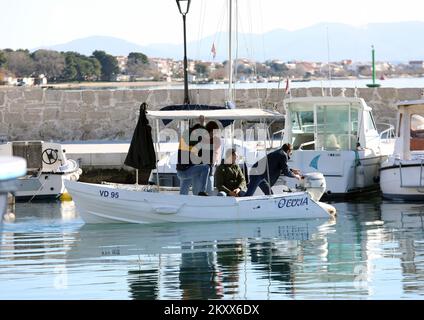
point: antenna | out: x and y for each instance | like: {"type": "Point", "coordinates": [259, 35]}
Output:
{"type": "Point", "coordinates": [329, 66]}
{"type": "Point", "coordinates": [230, 58]}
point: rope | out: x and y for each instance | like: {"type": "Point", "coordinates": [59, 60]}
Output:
{"type": "Point", "coordinates": [201, 28]}
{"type": "Point", "coordinates": [39, 189]}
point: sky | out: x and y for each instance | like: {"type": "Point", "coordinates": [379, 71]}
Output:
{"type": "Point", "coordinates": [41, 23]}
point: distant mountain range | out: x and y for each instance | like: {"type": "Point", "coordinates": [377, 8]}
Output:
{"type": "Point", "coordinates": [393, 42]}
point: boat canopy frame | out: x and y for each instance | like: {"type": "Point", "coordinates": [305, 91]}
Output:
{"type": "Point", "coordinates": [250, 114]}
{"type": "Point", "coordinates": [265, 117]}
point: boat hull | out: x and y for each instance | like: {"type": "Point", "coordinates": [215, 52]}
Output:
{"type": "Point", "coordinates": [346, 172]}
{"type": "Point", "coordinates": [404, 182]}
{"type": "Point", "coordinates": [108, 204]}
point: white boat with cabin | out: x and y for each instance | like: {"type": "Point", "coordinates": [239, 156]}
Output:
{"type": "Point", "coordinates": [47, 168]}
{"type": "Point", "coordinates": [402, 174]}
{"type": "Point", "coordinates": [338, 137]}
{"type": "Point", "coordinates": [112, 203]}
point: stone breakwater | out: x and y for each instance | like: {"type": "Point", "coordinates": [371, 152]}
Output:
{"type": "Point", "coordinates": [59, 115]}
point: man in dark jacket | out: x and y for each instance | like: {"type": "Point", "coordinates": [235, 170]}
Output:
{"type": "Point", "coordinates": [229, 179]}
{"type": "Point", "coordinates": [266, 171]}
{"type": "Point", "coordinates": [190, 171]}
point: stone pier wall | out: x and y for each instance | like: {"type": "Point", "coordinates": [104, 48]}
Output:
{"type": "Point", "coordinates": [63, 115]}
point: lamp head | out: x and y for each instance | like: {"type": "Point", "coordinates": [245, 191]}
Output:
{"type": "Point", "coordinates": [183, 6]}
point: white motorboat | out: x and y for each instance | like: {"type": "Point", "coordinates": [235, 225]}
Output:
{"type": "Point", "coordinates": [114, 203]}
{"type": "Point", "coordinates": [338, 137]}
{"type": "Point", "coordinates": [107, 203]}
{"type": "Point", "coordinates": [402, 174]}
{"type": "Point", "coordinates": [11, 168]}
{"type": "Point", "coordinates": [47, 168]}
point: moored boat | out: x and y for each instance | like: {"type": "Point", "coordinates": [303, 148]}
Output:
{"type": "Point", "coordinates": [47, 168]}
{"type": "Point", "coordinates": [402, 174]}
{"type": "Point", "coordinates": [114, 203]}
{"type": "Point", "coordinates": [97, 203]}
{"type": "Point", "coordinates": [338, 137]}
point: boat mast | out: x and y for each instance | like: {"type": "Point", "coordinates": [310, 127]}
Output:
{"type": "Point", "coordinates": [329, 64]}
{"type": "Point", "coordinates": [230, 60]}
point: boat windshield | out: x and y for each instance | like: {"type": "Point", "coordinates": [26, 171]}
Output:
{"type": "Point", "coordinates": [417, 132]}
{"type": "Point", "coordinates": [324, 127]}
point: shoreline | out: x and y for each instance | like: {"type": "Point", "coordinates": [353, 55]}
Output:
{"type": "Point", "coordinates": [112, 84]}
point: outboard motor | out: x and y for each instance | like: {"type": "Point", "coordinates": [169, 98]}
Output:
{"type": "Point", "coordinates": [314, 183]}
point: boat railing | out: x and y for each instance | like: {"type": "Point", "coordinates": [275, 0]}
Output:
{"type": "Point", "coordinates": [388, 133]}
{"type": "Point", "coordinates": [306, 144]}
{"type": "Point", "coordinates": [276, 138]}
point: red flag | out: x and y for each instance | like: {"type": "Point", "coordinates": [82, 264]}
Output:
{"type": "Point", "coordinates": [213, 50]}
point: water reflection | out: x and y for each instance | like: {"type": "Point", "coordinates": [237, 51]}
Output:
{"type": "Point", "coordinates": [206, 260]}
{"type": "Point", "coordinates": [406, 225]}
{"type": "Point", "coordinates": [372, 250]}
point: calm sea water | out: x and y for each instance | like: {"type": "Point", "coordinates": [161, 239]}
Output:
{"type": "Point", "coordinates": [373, 250]}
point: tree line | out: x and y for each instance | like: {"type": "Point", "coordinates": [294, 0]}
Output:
{"type": "Point", "coordinates": [69, 66]}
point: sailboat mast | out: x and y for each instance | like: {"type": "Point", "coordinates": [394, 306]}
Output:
{"type": "Point", "coordinates": [230, 59]}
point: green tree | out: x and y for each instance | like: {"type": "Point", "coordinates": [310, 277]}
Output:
{"type": "Point", "coordinates": [19, 62]}
{"type": "Point", "coordinates": [138, 64]}
{"type": "Point", "coordinates": [109, 65]}
{"type": "Point", "coordinates": [2, 59]}
{"type": "Point", "coordinates": [70, 71]}
{"type": "Point", "coordinates": [80, 68]}
{"type": "Point", "coordinates": [138, 57]}
{"type": "Point", "coordinates": [50, 63]}
{"type": "Point", "coordinates": [277, 68]}
{"type": "Point", "coordinates": [202, 69]}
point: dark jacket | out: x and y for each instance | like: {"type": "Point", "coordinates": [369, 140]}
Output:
{"type": "Point", "coordinates": [229, 177]}
{"type": "Point", "coordinates": [186, 148]}
{"type": "Point", "coordinates": [277, 164]}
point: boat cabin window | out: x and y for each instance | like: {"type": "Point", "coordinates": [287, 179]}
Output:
{"type": "Point", "coordinates": [417, 132]}
{"type": "Point", "coordinates": [337, 127]}
{"type": "Point", "coordinates": [369, 122]}
{"type": "Point", "coordinates": [303, 128]}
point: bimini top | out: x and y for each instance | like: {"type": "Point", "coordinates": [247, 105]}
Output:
{"type": "Point", "coordinates": [223, 114]}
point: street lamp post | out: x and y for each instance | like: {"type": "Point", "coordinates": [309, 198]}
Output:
{"type": "Point", "coordinates": [183, 7]}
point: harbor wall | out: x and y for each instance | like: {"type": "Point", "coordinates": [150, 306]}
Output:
{"type": "Point", "coordinates": [79, 115]}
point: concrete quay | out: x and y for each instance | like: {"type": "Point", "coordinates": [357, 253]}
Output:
{"type": "Point", "coordinates": [111, 115]}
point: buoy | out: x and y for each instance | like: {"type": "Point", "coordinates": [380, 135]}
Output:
{"type": "Point", "coordinates": [65, 197]}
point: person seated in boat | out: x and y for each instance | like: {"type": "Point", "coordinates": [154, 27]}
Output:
{"type": "Point", "coordinates": [332, 142]}
{"type": "Point", "coordinates": [264, 173]}
{"type": "Point", "coordinates": [229, 178]}
{"type": "Point", "coordinates": [190, 169]}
